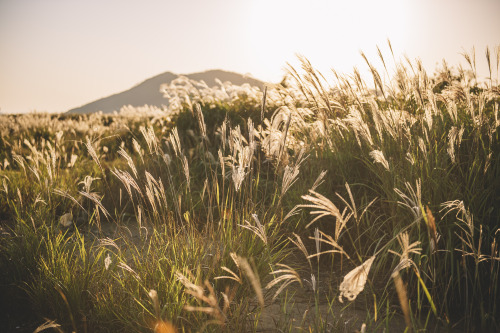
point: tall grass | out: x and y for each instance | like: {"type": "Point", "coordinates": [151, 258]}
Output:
{"type": "Point", "coordinates": [205, 215]}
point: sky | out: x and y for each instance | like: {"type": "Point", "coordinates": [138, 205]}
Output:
{"type": "Point", "coordinates": [59, 54]}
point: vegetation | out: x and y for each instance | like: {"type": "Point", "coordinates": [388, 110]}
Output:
{"type": "Point", "coordinates": [242, 210]}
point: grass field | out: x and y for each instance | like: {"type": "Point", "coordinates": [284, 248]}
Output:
{"type": "Point", "coordinates": [316, 206]}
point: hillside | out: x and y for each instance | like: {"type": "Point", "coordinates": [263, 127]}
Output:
{"type": "Point", "coordinates": [148, 92]}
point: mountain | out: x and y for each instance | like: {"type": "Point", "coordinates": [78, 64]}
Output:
{"type": "Point", "coordinates": [148, 92]}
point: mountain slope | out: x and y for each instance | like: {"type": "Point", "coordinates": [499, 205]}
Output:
{"type": "Point", "coordinates": [148, 92]}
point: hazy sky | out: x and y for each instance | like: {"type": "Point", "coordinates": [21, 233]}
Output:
{"type": "Point", "coordinates": [60, 54]}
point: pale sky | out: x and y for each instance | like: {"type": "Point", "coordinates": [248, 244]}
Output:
{"type": "Point", "coordinates": [60, 54]}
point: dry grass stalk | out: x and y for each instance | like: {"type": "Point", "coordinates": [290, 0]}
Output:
{"type": "Point", "coordinates": [175, 142]}
{"type": "Point", "coordinates": [318, 238]}
{"type": "Point", "coordinates": [378, 157]}
{"type": "Point", "coordinates": [233, 275]}
{"type": "Point", "coordinates": [406, 250]}
{"type": "Point", "coordinates": [324, 208]}
{"type": "Point", "coordinates": [156, 303]}
{"type": "Point", "coordinates": [431, 225]}
{"type": "Point", "coordinates": [48, 324]}
{"type": "Point", "coordinates": [126, 267]}
{"type": "Point", "coordinates": [109, 242]}
{"type": "Point", "coordinates": [67, 195]}
{"type": "Point", "coordinates": [126, 178]}
{"type": "Point", "coordinates": [403, 298]}
{"type": "Point", "coordinates": [150, 137]}
{"type": "Point", "coordinates": [254, 279]}
{"type": "Point", "coordinates": [319, 180]}
{"type": "Point", "coordinates": [96, 199]}
{"type": "Point", "coordinates": [288, 275]}
{"type": "Point", "coordinates": [185, 168]}
{"type": "Point", "coordinates": [354, 282]}
{"type": "Point", "coordinates": [294, 211]}
{"type": "Point", "coordinates": [263, 104]}
{"type": "Point", "coordinates": [238, 174]}
{"type": "Point", "coordinates": [352, 204]}
{"type": "Point", "coordinates": [291, 173]}
{"type": "Point", "coordinates": [160, 326]}
{"type": "Point", "coordinates": [301, 247]}
{"type": "Point", "coordinates": [201, 121]}
{"type": "Point", "coordinates": [129, 160]}
{"type": "Point", "coordinates": [138, 149]}
{"type": "Point", "coordinates": [413, 201]}
{"type": "Point", "coordinates": [93, 153]}
{"type": "Point", "coordinates": [258, 230]}
{"type": "Point", "coordinates": [207, 297]}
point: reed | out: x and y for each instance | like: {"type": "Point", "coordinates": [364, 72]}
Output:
{"type": "Point", "coordinates": [207, 215]}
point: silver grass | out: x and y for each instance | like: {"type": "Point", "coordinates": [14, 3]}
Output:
{"type": "Point", "coordinates": [258, 229]}
{"type": "Point", "coordinates": [423, 147]}
{"type": "Point", "coordinates": [19, 160]}
{"type": "Point", "coordinates": [150, 137]}
{"type": "Point", "coordinates": [354, 282]}
{"type": "Point", "coordinates": [222, 163]}
{"type": "Point", "coordinates": [129, 160]}
{"type": "Point", "coordinates": [378, 157]}
{"type": "Point", "coordinates": [317, 241]}
{"type": "Point", "coordinates": [238, 175]}
{"type": "Point", "coordinates": [175, 142]}
{"type": "Point", "coordinates": [4, 184]}
{"type": "Point", "coordinates": [6, 163]}
{"type": "Point", "coordinates": [127, 268]}
{"type": "Point", "coordinates": [72, 161]}
{"type": "Point", "coordinates": [413, 200]}
{"type": "Point", "coordinates": [300, 245]}
{"type": "Point", "coordinates": [93, 153]}
{"type": "Point", "coordinates": [324, 208]}
{"type": "Point", "coordinates": [428, 117]}
{"type": "Point", "coordinates": [410, 158]}
{"type": "Point", "coordinates": [107, 261]}
{"type": "Point", "coordinates": [185, 168]}
{"type": "Point", "coordinates": [87, 182]}
{"type": "Point", "coordinates": [359, 126]}
{"type": "Point", "coordinates": [109, 242]}
{"type": "Point", "coordinates": [167, 159]}
{"type": "Point", "coordinates": [19, 197]}
{"type": "Point", "coordinates": [406, 249]}
{"type": "Point", "coordinates": [336, 248]}
{"type": "Point", "coordinates": [210, 299]}
{"type": "Point", "coordinates": [291, 173]}
{"type": "Point", "coordinates": [150, 196]}
{"type": "Point", "coordinates": [462, 213]}
{"type": "Point", "coordinates": [48, 324]}
{"type": "Point", "coordinates": [233, 276]}
{"type": "Point", "coordinates": [294, 211]}
{"type": "Point", "coordinates": [222, 132]}
{"type": "Point", "coordinates": [254, 278]}
{"type": "Point", "coordinates": [127, 180]}
{"type": "Point", "coordinates": [96, 199]}
{"type": "Point", "coordinates": [288, 276]}
{"type": "Point", "coordinates": [201, 121]}
{"type": "Point", "coordinates": [67, 195]}
{"type": "Point", "coordinates": [138, 149]}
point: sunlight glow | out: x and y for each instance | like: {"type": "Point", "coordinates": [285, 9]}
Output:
{"type": "Point", "coordinates": [58, 54]}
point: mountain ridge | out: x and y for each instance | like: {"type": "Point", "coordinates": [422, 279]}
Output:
{"type": "Point", "coordinates": [148, 92]}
